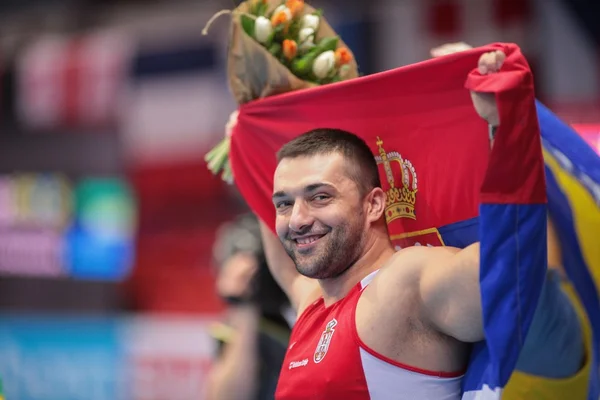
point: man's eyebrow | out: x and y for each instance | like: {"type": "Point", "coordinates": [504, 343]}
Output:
{"type": "Point", "coordinates": [307, 189]}
{"type": "Point", "coordinates": [278, 194]}
{"type": "Point", "coordinates": [315, 186]}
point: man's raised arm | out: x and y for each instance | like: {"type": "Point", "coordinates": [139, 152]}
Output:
{"type": "Point", "coordinates": [450, 294]}
{"type": "Point", "coordinates": [449, 285]}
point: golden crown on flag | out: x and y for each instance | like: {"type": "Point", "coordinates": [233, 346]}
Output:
{"type": "Point", "coordinates": [400, 201]}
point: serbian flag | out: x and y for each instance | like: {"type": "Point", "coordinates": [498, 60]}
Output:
{"type": "Point", "coordinates": [573, 184]}
{"type": "Point", "coordinates": [444, 185]}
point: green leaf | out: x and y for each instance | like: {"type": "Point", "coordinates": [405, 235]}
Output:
{"type": "Point", "coordinates": [261, 9]}
{"type": "Point", "coordinates": [328, 43]}
{"type": "Point", "coordinates": [218, 158]}
{"type": "Point", "coordinates": [227, 174]}
{"type": "Point", "coordinates": [254, 8]}
{"type": "Point", "coordinates": [302, 66]}
{"type": "Point", "coordinates": [294, 30]}
{"type": "Point", "coordinates": [275, 49]}
{"type": "Point", "coordinates": [247, 24]}
{"type": "Point", "coordinates": [278, 34]}
{"type": "Point", "coordinates": [268, 43]}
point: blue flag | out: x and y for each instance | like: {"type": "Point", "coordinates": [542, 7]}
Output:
{"type": "Point", "coordinates": [572, 171]}
{"type": "Point", "coordinates": [573, 184]}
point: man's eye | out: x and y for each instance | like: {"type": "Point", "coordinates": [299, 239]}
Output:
{"type": "Point", "coordinates": [282, 204]}
{"type": "Point", "coordinates": [320, 197]}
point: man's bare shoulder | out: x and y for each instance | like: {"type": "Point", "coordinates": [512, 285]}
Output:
{"type": "Point", "coordinates": [415, 257]}
{"type": "Point", "coordinates": [405, 267]}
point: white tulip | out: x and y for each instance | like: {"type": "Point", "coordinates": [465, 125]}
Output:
{"type": "Point", "coordinates": [262, 29]}
{"type": "Point", "coordinates": [310, 21]}
{"type": "Point", "coordinates": [306, 38]}
{"type": "Point", "coordinates": [323, 64]}
{"type": "Point", "coordinates": [287, 11]}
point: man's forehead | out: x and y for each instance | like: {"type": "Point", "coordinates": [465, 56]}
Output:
{"type": "Point", "coordinates": [318, 162]}
{"type": "Point", "coordinates": [300, 172]}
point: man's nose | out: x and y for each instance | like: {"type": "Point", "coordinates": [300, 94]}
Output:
{"type": "Point", "coordinates": [300, 218]}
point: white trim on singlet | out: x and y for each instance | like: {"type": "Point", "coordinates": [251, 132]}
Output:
{"type": "Point", "coordinates": [386, 381]}
{"type": "Point", "coordinates": [389, 380]}
{"type": "Point", "coordinates": [367, 279]}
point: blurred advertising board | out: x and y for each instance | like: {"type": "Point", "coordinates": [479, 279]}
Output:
{"type": "Point", "coordinates": [50, 226]}
{"type": "Point", "coordinates": [103, 358]}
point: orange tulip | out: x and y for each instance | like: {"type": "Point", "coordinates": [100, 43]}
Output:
{"type": "Point", "coordinates": [290, 49]}
{"type": "Point", "coordinates": [279, 18]}
{"type": "Point", "coordinates": [342, 56]}
{"type": "Point", "coordinates": [295, 6]}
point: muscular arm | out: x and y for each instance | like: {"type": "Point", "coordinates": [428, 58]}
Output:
{"type": "Point", "coordinates": [449, 292]}
{"type": "Point", "coordinates": [299, 289]}
{"type": "Point", "coordinates": [449, 283]}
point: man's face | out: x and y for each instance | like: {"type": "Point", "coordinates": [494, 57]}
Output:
{"type": "Point", "coordinates": [320, 214]}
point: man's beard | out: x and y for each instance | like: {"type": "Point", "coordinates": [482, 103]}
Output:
{"type": "Point", "coordinates": [333, 255]}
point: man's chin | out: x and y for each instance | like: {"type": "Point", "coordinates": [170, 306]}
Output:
{"type": "Point", "coordinates": [307, 270]}
{"type": "Point", "coordinates": [308, 274]}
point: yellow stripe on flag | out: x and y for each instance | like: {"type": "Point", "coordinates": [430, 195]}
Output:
{"type": "Point", "coordinates": [585, 212]}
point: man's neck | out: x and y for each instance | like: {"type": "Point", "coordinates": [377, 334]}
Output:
{"type": "Point", "coordinates": [377, 253]}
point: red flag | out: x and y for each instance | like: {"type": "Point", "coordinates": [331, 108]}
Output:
{"type": "Point", "coordinates": [419, 117]}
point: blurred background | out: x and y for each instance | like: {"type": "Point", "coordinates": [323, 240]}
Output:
{"type": "Point", "coordinates": [108, 214]}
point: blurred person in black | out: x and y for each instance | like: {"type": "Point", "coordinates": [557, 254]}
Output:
{"type": "Point", "coordinates": [253, 338]}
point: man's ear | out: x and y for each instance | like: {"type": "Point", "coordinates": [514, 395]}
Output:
{"type": "Point", "coordinates": [375, 202]}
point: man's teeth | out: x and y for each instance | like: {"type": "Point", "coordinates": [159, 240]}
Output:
{"type": "Point", "coordinates": [307, 240]}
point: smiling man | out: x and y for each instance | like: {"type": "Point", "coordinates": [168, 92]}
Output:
{"type": "Point", "coordinates": [386, 324]}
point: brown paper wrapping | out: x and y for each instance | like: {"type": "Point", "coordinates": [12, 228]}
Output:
{"type": "Point", "coordinates": [253, 72]}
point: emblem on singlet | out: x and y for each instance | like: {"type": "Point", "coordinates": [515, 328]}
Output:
{"type": "Point", "coordinates": [324, 342]}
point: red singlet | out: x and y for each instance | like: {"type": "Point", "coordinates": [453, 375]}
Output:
{"type": "Point", "coordinates": [327, 360]}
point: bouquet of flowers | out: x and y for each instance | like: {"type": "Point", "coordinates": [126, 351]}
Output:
{"type": "Point", "coordinates": [278, 46]}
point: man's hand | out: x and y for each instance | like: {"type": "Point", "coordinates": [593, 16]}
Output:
{"type": "Point", "coordinates": [449, 48]}
{"type": "Point", "coordinates": [489, 63]}
{"type": "Point", "coordinates": [235, 277]}
{"type": "Point", "coordinates": [485, 103]}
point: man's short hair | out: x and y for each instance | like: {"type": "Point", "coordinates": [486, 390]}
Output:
{"type": "Point", "coordinates": [364, 171]}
